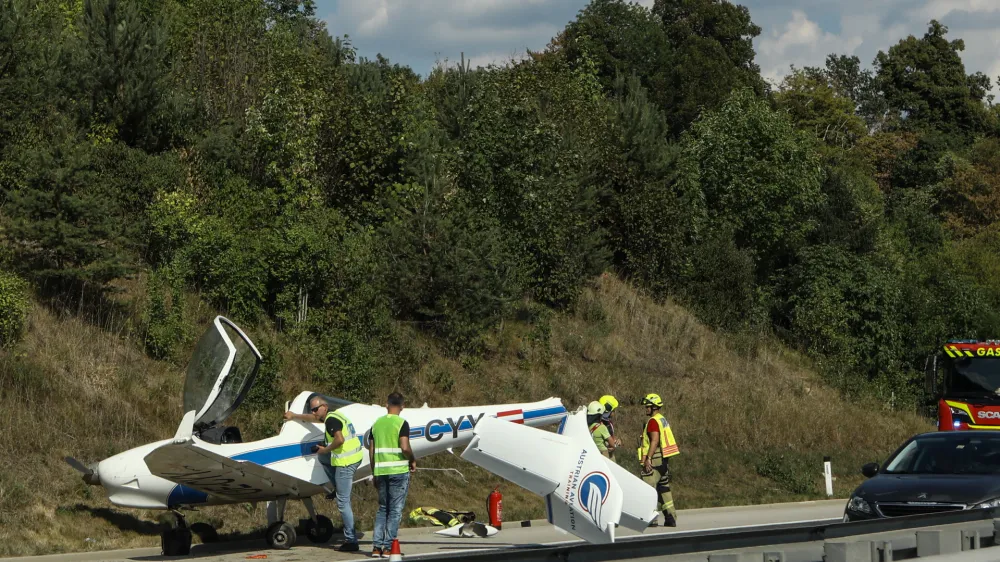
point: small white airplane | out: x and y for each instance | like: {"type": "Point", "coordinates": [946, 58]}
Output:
{"type": "Point", "coordinates": [206, 463]}
{"type": "Point", "coordinates": [586, 493]}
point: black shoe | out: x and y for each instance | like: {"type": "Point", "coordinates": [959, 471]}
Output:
{"type": "Point", "coordinates": [669, 520]}
{"type": "Point", "coordinates": [349, 547]}
{"type": "Point", "coordinates": [331, 496]}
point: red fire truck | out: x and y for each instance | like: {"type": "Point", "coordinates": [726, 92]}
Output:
{"type": "Point", "coordinates": [965, 380]}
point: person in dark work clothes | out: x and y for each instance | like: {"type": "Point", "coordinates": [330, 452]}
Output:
{"type": "Point", "coordinates": [392, 462]}
{"type": "Point", "coordinates": [340, 457]}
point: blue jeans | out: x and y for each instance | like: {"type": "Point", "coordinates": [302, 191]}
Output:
{"type": "Point", "coordinates": [392, 491]}
{"type": "Point", "coordinates": [342, 478]}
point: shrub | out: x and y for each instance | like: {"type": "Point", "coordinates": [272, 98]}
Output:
{"type": "Point", "coordinates": [164, 315]}
{"type": "Point", "coordinates": [14, 305]}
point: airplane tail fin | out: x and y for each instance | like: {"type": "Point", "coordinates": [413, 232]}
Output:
{"type": "Point", "coordinates": [581, 489]}
{"type": "Point", "coordinates": [639, 505]}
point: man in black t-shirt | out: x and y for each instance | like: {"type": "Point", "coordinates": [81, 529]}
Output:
{"type": "Point", "coordinates": [319, 409]}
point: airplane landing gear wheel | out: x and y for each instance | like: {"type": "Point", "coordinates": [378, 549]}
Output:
{"type": "Point", "coordinates": [321, 531]}
{"type": "Point", "coordinates": [280, 536]}
{"type": "Point", "coordinates": [205, 532]}
{"type": "Point", "coordinates": [176, 542]}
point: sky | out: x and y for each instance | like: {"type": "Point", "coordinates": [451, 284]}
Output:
{"type": "Point", "coordinates": [418, 33]}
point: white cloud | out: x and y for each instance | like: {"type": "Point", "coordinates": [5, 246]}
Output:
{"type": "Point", "coordinates": [801, 42]}
{"type": "Point", "coordinates": [496, 58]}
{"type": "Point", "coordinates": [799, 32]}
{"type": "Point", "coordinates": [419, 32]}
{"type": "Point", "coordinates": [809, 33]}
{"type": "Point", "coordinates": [377, 19]}
{"type": "Point", "coordinates": [937, 9]}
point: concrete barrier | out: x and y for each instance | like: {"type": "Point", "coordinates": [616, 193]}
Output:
{"type": "Point", "coordinates": [848, 551]}
{"type": "Point", "coordinates": [970, 540]}
{"type": "Point", "coordinates": [938, 541]}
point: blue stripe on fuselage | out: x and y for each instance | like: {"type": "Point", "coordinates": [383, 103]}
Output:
{"type": "Point", "coordinates": [277, 454]}
{"type": "Point", "coordinates": [532, 414]}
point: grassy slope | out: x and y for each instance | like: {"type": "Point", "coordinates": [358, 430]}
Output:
{"type": "Point", "coordinates": [753, 426]}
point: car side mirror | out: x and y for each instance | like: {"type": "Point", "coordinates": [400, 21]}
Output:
{"type": "Point", "coordinates": [870, 469]}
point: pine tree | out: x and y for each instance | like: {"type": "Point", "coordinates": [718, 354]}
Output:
{"type": "Point", "coordinates": [124, 66]}
{"type": "Point", "coordinates": [62, 232]}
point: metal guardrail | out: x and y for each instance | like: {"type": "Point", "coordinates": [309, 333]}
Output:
{"type": "Point", "coordinates": [687, 542]}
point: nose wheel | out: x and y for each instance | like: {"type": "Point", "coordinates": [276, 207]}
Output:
{"type": "Point", "coordinates": [176, 541]}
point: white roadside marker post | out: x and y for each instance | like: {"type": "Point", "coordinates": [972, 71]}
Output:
{"type": "Point", "coordinates": [828, 476]}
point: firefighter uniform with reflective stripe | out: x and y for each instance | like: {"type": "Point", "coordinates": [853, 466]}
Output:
{"type": "Point", "coordinates": [349, 452]}
{"type": "Point", "coordinates": [659, 478]}
{"type": "Point", "coordinates": [389, 457]}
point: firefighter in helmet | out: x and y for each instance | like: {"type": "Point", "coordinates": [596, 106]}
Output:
{"type": "Point", "coordinates": [610, 403]}
{"type": "Point", "coordinates": [657, 446]}
{"type": "Point", "coordinates": [598, 430]}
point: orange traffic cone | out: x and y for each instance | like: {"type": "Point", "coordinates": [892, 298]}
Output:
{"type": "Point", "coordinates": [394, 554]}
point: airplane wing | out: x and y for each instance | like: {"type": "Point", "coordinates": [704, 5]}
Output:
{"type": "Point", "coordinates": [185, 463]}
{"type": "Point", "coordinates": [584, 491]}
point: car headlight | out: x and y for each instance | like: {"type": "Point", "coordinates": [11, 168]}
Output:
{"type": "Point", "coordinates": [995, 502]}
{"type": "Point", "coordinates": [858, 505]}
{"type": "Point", "coordinates": [959, 415]}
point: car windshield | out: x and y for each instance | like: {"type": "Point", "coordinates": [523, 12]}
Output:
{"type": "Point", "coordinates": [954, 453]}
{"type": "Point", "coordinates": [973, 376]}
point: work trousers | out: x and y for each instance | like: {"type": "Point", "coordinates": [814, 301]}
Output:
{"type": "Point", "coordinates": [392, 491]}
{"type": "Point", "coordinates": [659, 478]}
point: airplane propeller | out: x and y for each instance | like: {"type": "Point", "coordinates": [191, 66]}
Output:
{"type": "Point", "coordinates": [89, 472]}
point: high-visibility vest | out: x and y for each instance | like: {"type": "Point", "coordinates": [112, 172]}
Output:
{"type": "Point", "coordinates": [668, 446]}
{"type": "Point", "coordinates": [599, 441]}
{"type": "Point", "coordinates": [349, 452]}
{"type": "Point", "coordinates": [389, 457]}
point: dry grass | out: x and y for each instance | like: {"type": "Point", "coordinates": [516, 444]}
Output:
{"type": "Point", "coordinates": [753, 427]}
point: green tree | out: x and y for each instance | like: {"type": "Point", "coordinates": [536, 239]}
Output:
{"type": "Point", "coordinates": [652, 222]}
{"type": "Point", "coordinates": [221, 56]}
{"type": "Point", "coordinates": [759, 176]}
{"type": "Point", "coordinates": [846, 308]}
{"type": "Point", "coordinates": [124, 66]}
{"type": "Point", "coordinates": [926, 87]}
{"type": "Point", "coordinates": [817, 106]}
{"type": "Point", "coordinates": [969, 192]}
{"type": "Point", "coordinates": [534, 162]}
{"type": "Point", "coordinates": [844, 74]}
{"type": "Point", "coordinates": [455, 271]}
{"type": "Point", "coordinates": [365, 140]}
{"type": "Point", "coordinates": [619, 38]}
{"type": "Point", "coordinates": [712, 56]}
{"type": "Point", "coordinates": [62, 230]}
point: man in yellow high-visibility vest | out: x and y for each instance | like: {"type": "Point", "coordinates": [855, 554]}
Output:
{"type": "Point", "coordinates": [392, 462]}
{"type": "Point", "coordinates": [657, 446]}
{"type": "Point", "coordinates": [340, 458]}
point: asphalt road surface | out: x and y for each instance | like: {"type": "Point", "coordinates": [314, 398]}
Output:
{"type": "Point", "coordinates": [420, 542]}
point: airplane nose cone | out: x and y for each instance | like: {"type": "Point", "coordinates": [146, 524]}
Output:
{"type": "Point", "coordinates": [93, 477]}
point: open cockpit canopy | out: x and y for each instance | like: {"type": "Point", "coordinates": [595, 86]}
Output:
{"type": "Point", "coordinates": [334, 402]}
{"type": "Point", "coordinates": [221, 371]}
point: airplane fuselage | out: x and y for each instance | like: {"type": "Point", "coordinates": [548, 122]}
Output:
{"type": "Point", "coordinates": [129, 483]}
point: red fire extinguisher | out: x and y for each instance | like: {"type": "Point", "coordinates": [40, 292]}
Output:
{"type": "Point", "coordinates": [494, 507]}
